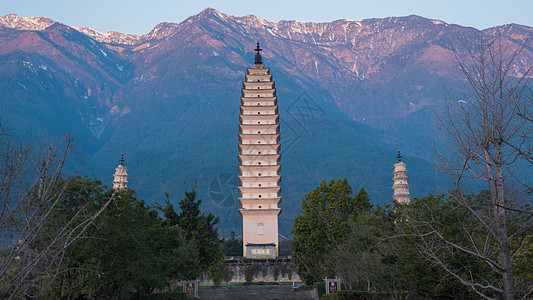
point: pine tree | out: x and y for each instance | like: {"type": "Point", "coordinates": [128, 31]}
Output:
{"type": "Point", "coordinates": [198, 229]}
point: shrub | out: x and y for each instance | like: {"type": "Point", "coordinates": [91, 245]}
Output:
{"type": "Point", "coordinates": [227, 274]}
{"type": "Point", "coordinates": [320, 287]}
{"type": "Point", "coordinates": [250, 272]}
{"type": "Point", "coordinates": [275, 273]}
{"type": "Point", "coordinates": [283, 269]}
{"type": "Point", "coordinates": [289, 272]}
{"type": "Point", "coordinates": [306, 288]}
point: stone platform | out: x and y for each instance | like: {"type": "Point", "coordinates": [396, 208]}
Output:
{"type": "Point", "coordinates": [255, 292]}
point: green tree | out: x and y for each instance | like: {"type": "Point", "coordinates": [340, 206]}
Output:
{"type": "Point", "coordinates": [232, 246]}
{"type": "Point", "coordinates": [33, 236]}
{"type": "Point", "coordinates": [127, 251]}
{"type": "Point", "coordinates": [434, 225]}
{"type": "Point", "coordinates": [523, 262]}
{"type": "Point", "coordinates": [78, 266]}
{"type": "Point", "coordinates": [367, 260]}
{"type": "Point", "coordinates": [363, 200]}
{"type": "Point", "coordinates": [198, 229]}
{"type": "Point", "coordinates": [384, 251]}
{"type": "Point", "coordinates": [324, 222]}
{"type": "Point", "coordinates": [421, 275]}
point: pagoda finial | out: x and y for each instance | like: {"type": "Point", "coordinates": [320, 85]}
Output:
{"type": "Point", "coordinates": [122, 159]}
{"type": "Point", "coordinates": [258, 59]}
{"type": "Point", "coordinates": [399, 156]}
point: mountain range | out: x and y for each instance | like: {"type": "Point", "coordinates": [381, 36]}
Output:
{"type": "Point", "coordinates": [351, 93]}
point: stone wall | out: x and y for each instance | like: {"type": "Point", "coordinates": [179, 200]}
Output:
{"type": "Point", "coordinates": [241, 269]}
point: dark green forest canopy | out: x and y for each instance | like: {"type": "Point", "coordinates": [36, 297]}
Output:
{"type": "Point", "coordinates": [130, 248]}
{"type": "Point", "coordinates": [393, 249]}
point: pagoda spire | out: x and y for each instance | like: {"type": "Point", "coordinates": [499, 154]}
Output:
{"type": "Point", "coordinates": [121, 175]}
{"type": "Point", "coordinates": [258, 58]}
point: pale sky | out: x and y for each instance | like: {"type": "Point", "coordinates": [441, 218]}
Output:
{"type": "Point", "coordinates": [140, 16]}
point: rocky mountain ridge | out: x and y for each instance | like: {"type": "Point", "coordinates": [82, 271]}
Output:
{"type": "Point", "coordinates": [358, 48]}
{"type": "Point", "coordinates": [25, 23]}
{"type": "Point", "coordinates": [112, 37]}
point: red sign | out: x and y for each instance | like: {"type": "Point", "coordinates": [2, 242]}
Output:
{"type": "Point", "coordinates": [332, 287]}
{"type": "Point", "coordinates": [189, 289]}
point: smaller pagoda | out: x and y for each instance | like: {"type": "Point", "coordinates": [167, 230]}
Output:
{"type": "Point", "coordinates": [121, 175]}
{"type": "Point", "coordinates": [400, 186]}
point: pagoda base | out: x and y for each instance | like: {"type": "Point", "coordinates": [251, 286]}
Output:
{"type": "Point", "coordinates": [260, 227]}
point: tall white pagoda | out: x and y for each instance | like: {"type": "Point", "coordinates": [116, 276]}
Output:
{"type": "Point", "coordinates": [121, 175]}
{"type": "Point", "coordinates": [400, 186]}
{"type": "Point", "coordinates": [259, 162]}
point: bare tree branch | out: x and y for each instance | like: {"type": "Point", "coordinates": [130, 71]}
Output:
{"type": "Point", "coordinates": [31, 192]}
{"type": "Point", "coordinates": [489, 132]}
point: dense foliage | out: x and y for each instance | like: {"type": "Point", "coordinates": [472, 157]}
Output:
{"type": "Point", "coordinates": [232, 246]}
{"type": "Point", "coordinates": [198, 229]}
{"type": "Point", "coordinates": [128, 250]}
{"type": "Point", "coordinates": [323, 224]}
{"type": "Point", "coordinates": [397, 250]}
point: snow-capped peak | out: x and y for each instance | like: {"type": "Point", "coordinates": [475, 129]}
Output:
{"type": "Point", "coordinates": [111, 37]}
{"type": "Point", "coordinates": [161, 30]}
{"type": "Point", "coordinates": [25, 23]}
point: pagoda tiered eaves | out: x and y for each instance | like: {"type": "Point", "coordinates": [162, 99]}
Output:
{"type": "Point", "coordinates": [267, 170]}
{"type": "Point", "coordinates": [401, 185]}
{"type": "Point", "coordinates": [259, 119]}
{"type": "Point", "coordinates": [259, 101]}
{"type": "Point", "coordinates": [259, 160]}
{"type": "Point", "coordinates": [258, 128]}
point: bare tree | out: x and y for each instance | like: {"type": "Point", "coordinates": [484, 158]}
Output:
{"type": "Point", "coordinates": [489, 137]}
{"type": "Point", "coordinates": [31, 190]}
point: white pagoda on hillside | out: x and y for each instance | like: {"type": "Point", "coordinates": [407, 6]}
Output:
{"type": "Point", "coordinates": [259, 162]}
{"type": "Point", "coordinates": [121, 175]}
{"type": "Point", "coordinates": [400, 186]}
